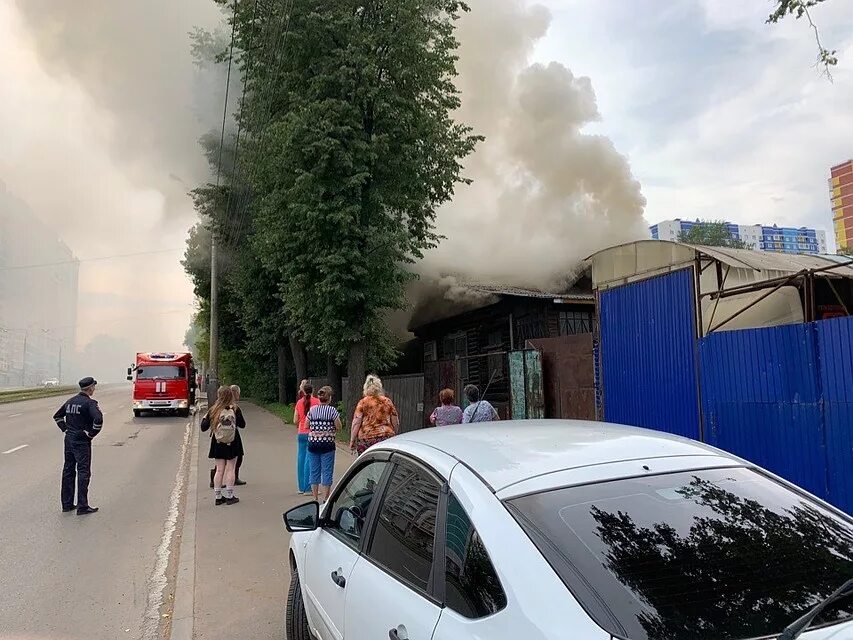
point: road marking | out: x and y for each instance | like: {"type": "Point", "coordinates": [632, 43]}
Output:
{"type": "Point", "coordinates": [14, 415]}
{"type": "Point", "coordinates": [159, 580]}
{"type": "Point", "coordinates": [23, 446]}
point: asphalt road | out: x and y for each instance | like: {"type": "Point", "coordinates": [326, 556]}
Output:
{"type": "Point", "coordinates": [64, 576]}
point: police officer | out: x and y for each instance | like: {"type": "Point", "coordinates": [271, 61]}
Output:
{"type": "Point", "coordinates": [80, 419]}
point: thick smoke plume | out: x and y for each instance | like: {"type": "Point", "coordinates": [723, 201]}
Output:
{"type": "Point", "coordinates": [102, 112]}
{"type": "Point", "coordinates": [545, 194]}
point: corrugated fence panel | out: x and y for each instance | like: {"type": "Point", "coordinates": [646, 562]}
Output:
{"type": "Point", "coordinates": [648, 354]}
{"type": "Point", "coordinates": [835, 349]}
{"type": "Point", "coordinates": [761, 400]}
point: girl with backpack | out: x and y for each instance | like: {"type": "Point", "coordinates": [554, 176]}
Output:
{"type": "Point", "coordinates": [324, 422]}
{"type": "Point", "coordinates": [224, 419]}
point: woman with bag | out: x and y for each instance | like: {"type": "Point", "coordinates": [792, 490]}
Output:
{"type": "Point", "coordinates": [323, 423]}
{"type": "Point", "coordinates": [224, 420]}
{"type": "Point", "coordinates": [376, 418]}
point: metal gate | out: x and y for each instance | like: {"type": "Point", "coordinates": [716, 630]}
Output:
{"type": "Point", "coordinates": [648, 354]}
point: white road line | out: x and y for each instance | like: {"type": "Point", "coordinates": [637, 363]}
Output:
{"type": "Point", "coordinates": [159, 580]}
{"type": "Point", "coordinates": [14, 415]}
{"type": "Point", "coordinates": [23, 446]}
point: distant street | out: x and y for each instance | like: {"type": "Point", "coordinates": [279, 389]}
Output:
{"type": "Point", "coordinates": [82, 577]}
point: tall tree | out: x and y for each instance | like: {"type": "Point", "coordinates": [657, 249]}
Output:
{"type": "Point", "coordinates": [352, 148]}
{"type": "Point", "coordinates": [711, 234]}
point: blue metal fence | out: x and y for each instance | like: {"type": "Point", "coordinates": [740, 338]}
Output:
{"type": "Point", "coordinates": [761, 400]}
{"type": "Point", "coordinates": [782, 397]}
{"type": "Point", "coordinates": [648, 354]}
{"type": "Point", "coordinates": [835, 356]}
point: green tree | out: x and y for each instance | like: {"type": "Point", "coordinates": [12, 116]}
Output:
{"type": "Point", "coordinates": [800, 9]}
{"type": "Point", "coordinates": [351, 148]}
{"type": "Point", "coordinates": [711, 234]}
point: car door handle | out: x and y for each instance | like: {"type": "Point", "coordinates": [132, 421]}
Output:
{"type": "Point", "coordinates": [338, 579]}
{"type": "Point", "coordinates": [398, 634]}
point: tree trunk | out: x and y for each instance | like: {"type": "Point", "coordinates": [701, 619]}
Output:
{"type": "Point", "coordinates": [281, 352]}
{"type": "Point", "coordinates": [300, 359]}
{"type": "Point", "coordinates": [356, 370]}
{"type": "Point", "coordinates": [333, 376]}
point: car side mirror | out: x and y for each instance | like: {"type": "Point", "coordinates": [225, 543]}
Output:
{"type": "Point", "coordinates": [305, 517]}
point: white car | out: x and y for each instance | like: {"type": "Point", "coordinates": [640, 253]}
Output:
{"type": "Point", "coordinates": [51, 382]}
{"type": "Point", "coordinates": [564, 530]}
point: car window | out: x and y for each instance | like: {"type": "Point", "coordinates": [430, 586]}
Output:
{"type": "Point", "coordinates": [472, 587]}
{"type": "Point", "coordinates": [700, 555]}
{"type": "Point", "coordinates": [348, 511]}
{"type": "Point", "coordinates": [405, 530]}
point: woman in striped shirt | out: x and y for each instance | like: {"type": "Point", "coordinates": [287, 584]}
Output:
{"type": "Point", "coordinates": [324, 421]}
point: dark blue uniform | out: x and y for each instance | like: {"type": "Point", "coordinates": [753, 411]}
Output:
{"type": "Point", "coordinates": [80, 420]}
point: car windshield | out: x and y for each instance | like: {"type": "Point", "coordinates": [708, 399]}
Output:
{"type": "Point", "coordinates": [161, 372]}
{"type": "Point", "coordinates": [715, 554]}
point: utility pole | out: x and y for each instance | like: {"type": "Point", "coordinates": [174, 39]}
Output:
{"type": "Point", "coordinates": [213, 364]}
{"type": "Point", "coordinates": [24, 363]}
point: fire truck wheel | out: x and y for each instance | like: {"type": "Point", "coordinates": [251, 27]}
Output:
{"type": "Point", "coordinates": [137, 413]}
{"type": "Point", "coordinates": [183, 413]}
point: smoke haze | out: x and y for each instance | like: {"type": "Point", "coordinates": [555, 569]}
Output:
{"type": "Point", "coordinates": [103, 108]}
{"type": "Point", "coordinates": [101, 115]}
{"type": "Point", "coordinates": [545, 194]}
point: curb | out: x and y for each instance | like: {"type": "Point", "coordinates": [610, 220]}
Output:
{"type": "Point", "coordinates": [183, 623]}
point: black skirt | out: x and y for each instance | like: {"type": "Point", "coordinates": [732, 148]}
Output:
{"type": "Point", "coordinates": [220, 451]}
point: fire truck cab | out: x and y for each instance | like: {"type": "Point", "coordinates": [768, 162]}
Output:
{"type": "Point", "coordinates": [163, 382]}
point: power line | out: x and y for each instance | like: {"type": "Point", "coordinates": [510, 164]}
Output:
{"type": "Point", "coordinates": [82, 260]}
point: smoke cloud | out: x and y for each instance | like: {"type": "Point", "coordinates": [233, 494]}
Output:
{"type": "Point", "coordinates": [545, 194]}
{"type": "Point", "coordinates": [102, 111]}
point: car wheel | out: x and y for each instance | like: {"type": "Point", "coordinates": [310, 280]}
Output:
{"type": "Point", "coordinates": [296, 622]}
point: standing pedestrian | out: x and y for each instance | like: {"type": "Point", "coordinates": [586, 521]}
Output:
{"type": "Point", "coordinates": [303, 465]}
{"type": "Point", "coordinates": [80, 419]}
{"type": "Point", "coordinates": [447, 412]}
{"type": "Point", "coordinates": [478, 410]}
{"type": "Point", "coordinates": [235, 391]}
{"type": "Point", "coordinates": [324, 422]}
{"type": "Point", "coordinates": [224, 419]}
{"type": "Point", "coordinates": [376, 418]}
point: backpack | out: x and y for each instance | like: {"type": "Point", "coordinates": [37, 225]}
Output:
{"type": "Point", "coordinates": [225, 429]}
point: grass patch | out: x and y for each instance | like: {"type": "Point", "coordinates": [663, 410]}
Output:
{"type": "Point", "coordinates": [283, 411]}
{"type": "Point", "coordinates": [18, 395]}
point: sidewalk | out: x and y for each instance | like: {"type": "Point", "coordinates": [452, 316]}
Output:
{"type": "Point", "coordinates": [242, 574]}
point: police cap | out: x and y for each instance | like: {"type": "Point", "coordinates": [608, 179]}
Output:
{"type": "Point", "coordinates": [87, 382]}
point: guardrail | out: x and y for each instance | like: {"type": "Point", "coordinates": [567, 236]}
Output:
{"type": "Point", "coordinates": [17, 395]}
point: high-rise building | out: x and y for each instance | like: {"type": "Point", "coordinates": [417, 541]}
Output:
{"type": "Point", "coordinates": [841, 194]}
{"type": "Point", "coordinates": [38, 296]}
{"type": "Point", "coordinates": [757, 237]}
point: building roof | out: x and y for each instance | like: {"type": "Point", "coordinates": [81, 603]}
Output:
{"type": "Point", "coordinates": [572, 295]}
{"type": "Point", "coordinates": [750, 259]}
{"type": "Point", "coordinates": [770, 261]}
{"type": "Point", "coordinates": [506, 453]}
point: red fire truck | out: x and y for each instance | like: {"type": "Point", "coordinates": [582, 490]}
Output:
{"type": "Point", "coordinates": [163, 382]}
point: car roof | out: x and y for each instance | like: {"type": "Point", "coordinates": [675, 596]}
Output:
{"type": "Point", "coordinates": [509, 452]}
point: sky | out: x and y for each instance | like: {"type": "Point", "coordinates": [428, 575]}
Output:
{"type": "Point", "coordinates": [721, 115]}
{"type": "Point", "coordinates": [717, 114]}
